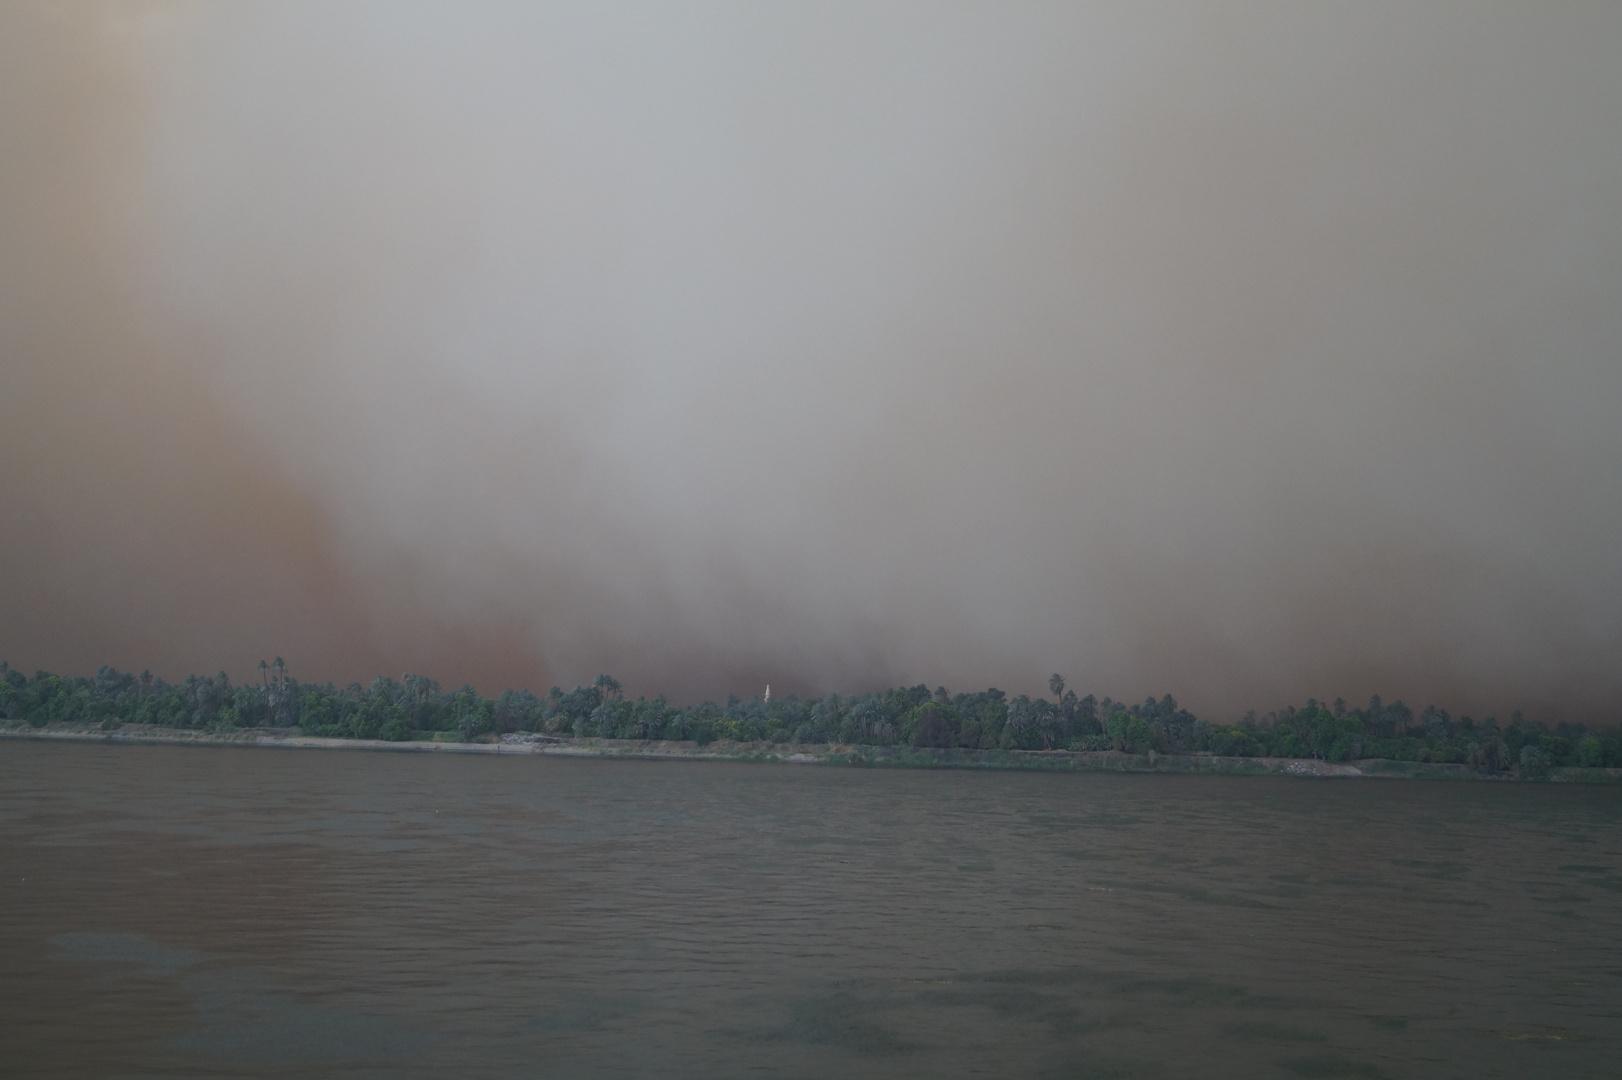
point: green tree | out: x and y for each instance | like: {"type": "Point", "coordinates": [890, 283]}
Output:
{"type": "Point", "coordinates": [1534, 762]}
{"type": "Point", "coordinates": [398, 727]}
{"type": "Point", "coordinates": [931, 727]}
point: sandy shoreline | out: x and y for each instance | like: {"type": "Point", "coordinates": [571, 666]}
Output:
{"type": "Point", "coordinates": [884, 757]}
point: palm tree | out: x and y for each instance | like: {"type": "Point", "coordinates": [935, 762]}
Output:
{"type": "Point", "coordinates": [1056, 684]}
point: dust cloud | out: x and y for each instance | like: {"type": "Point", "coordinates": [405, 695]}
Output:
{"type": "Point", "coordinates": [1244, 352]}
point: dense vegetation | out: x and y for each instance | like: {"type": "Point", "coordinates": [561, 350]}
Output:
{"type": "Point", "coordinates": [414, 707]}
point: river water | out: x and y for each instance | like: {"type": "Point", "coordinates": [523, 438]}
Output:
{"type": "Point", "coordinates": [175, 911]}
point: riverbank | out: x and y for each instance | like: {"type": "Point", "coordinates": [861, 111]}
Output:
{"type": "Point", "coordinates": [824, 754]}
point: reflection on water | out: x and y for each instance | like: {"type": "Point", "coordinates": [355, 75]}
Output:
{"type": "Point", "coordinates": [172, 911]}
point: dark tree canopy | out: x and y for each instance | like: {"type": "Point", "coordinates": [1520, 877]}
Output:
{"type": "Point", "coordinates": [415, 707]}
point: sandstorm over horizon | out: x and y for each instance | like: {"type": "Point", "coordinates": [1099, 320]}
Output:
{"type": "Point", "coordinates": [1246, 352]}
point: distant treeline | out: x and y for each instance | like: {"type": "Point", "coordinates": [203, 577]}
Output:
{"type": "Point", "coordinates": [414, 707]}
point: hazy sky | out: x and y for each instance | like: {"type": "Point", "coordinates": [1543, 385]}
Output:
{"type": "Point", "coordinates": [1242, 351]}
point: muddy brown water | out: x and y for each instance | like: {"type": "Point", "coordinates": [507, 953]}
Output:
{"type": "Point", "coordinates": [175, 911]}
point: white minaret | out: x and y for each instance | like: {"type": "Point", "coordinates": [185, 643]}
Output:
{"type": "Point", "coordinates": [768, 691]}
